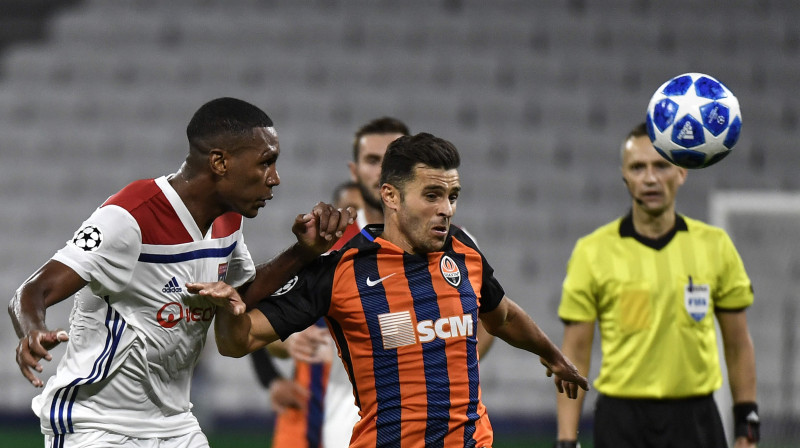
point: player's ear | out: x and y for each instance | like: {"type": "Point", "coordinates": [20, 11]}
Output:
{"type": "Point", "coordinates": [218, 161]}
{"type": "Point", "coordinates": [682, 173]}
{"type": "Point", "coordinates": [353, 172]}
{"type": "Point", "coordinates": [390, 196]}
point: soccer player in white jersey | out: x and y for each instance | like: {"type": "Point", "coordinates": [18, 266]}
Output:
{"type": "Point", "coordinates": [135, 330]}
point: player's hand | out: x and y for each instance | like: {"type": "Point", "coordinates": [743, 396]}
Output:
{"type": "Point", "coordinates": [312, 345]}
{"type": "Point", "coordinates": [34, 347]}
{"type": "Point", "coordinates": [286, 394]}
{"type": "Point", "coordinates": [221, 294]}
{"type": "Point", "coordinates": [742, 442]}
{"type": "Point", "coordinates": [567, 378]}
{"type": "Point", "coordinates": [318, 230]}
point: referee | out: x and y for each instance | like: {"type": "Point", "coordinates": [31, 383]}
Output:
{"type": "Point", "coordinates": [654, 280]}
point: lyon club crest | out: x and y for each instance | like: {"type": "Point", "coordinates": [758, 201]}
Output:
{"type": "Point", "coordinates": [450, 271]}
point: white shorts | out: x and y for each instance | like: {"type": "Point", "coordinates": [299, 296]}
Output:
{"type": "Point", "coordinates": [102, 439]}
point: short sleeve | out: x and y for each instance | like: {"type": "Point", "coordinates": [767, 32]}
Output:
{"type": "Point", "coordinates": [104, 250]}
{"type": "Point", "coordinates": [491, 290]}
{"type": "Point", "coordinates": [578, 295]}
{"type": "Point", "coordinates": [734, 290]}
{"type": "Point", "coordinates": [241, 268]}
{"type": "Point", "coordinates": [302, 300]}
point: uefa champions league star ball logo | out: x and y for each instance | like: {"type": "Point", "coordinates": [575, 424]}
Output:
{"type": "Point", "coordinates": [88, 238]}
{"type": "Point", "coordinates": [287, 287]}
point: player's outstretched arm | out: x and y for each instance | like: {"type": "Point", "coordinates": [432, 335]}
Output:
{"type": "Point", "coordinates": [51, 284]}
{"type": "Point", "coordinates": [237, 332]}
{"type": "Point", "coordinates": [512, 324]}
{"type": "Point", "coordinates": [316, 232]}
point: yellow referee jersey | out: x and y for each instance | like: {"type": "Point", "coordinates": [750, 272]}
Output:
{"type": "Point", "coordinates": [655, 300]}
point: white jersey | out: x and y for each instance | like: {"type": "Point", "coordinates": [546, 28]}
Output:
{"type": "Point", "coordinates": [341, 412]}
{"type": "Point", "coordinates": [135, 333]}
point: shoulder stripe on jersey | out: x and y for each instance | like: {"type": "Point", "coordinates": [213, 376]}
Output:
{"type": "Point", "coordinates": [186, 256]}
{"type": "Point", "coordinates": [61, 418]}
{"type": "Point", "coordinates": [468, 300]}
{"type": "Point", "coordinates": [158, 221]}
{"type": "Point", "coordinates": [434, 357]}
{"type": "Point", "coordinates": [386, 372]}
{"type": "Point", "coordinates": [226, 224]}
{"type": "Point", "coordinates": [366, 234]}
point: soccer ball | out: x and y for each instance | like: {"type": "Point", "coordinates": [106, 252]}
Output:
{"type": "Point", "coordinates": [693, 120]}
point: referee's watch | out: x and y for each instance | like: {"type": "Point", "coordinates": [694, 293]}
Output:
{"type": "Point", "coordinates": [746, 422]}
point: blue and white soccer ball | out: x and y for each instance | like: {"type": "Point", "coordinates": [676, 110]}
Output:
{"type": "Point", "coordinates": [693, 120]}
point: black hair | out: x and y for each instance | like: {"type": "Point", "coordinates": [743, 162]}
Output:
{"type": "Point", "coordinates": [342, 187]}
{"type": "Point", "coordinates": [383, 125]}
{"type": "Point", "coordinates": [640, 130]}
{"type": "Point", "coordinates": [405, 153]}
{"type": "Point", "coordinates": [225, 117]}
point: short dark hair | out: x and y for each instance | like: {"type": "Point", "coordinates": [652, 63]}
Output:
{"type": "Point", "coordinates": [406, 152]}
{"type": "Point", "coordinates": [383, 125]}
{"type": "Point", "coordinates": [640, 130]}
{"type": "Point", "coordinates": [225, 117]}
{"type": "Point", "coordinates": [342, 187]}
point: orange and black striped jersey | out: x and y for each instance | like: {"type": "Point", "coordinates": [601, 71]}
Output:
{"type": "Point", "coordinates": [405, 328]}
{"type": "Point", "coordinates": [302, 428]}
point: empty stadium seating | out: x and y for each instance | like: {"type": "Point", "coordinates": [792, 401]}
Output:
{"type": "Point", "coordinates": [537, 96]}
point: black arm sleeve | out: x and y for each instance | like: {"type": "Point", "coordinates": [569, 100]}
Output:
{"type": "Point", "coordinates": [265, 369]}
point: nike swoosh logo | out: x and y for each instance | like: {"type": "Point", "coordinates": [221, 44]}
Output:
{"type": "Point", "coordinates": [372, 283]}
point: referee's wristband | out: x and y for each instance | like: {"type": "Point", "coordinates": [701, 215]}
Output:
{"type": "Point", "coordinates": [746, 421]}
{"type": "Point", "coordinates": [567, 444]}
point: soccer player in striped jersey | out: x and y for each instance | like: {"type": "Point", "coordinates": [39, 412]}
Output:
{"type": "Point", "coordinates": [655, 280]}
{"type": "Point", "coordinates": [136, 328]}
{"type": "Point", "coordinates": [402, 301]}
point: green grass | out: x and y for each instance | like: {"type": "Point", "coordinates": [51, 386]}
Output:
{"type": "Point", "coordinates": [18, 438]}
{"type": "Point", "coordinates": [30, 438]}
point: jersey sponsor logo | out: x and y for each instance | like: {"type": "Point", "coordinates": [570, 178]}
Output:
{"type": "Point", "coordinates": [398, 330]}
{"type": "Point", "coordinates": [222, 271]}
{"type": "Point", "coordinates": [445, 328]}
{"type": "Point", "coordinates": [697, 299]}
{"type": "Point", "coordinates": [173, 312]}
{"type": "Point", "coordinates": [172, 286]}
{"type": "Point", "coordinates": [88, 238]}
{"type": "Point", "coordinates": [372, 283]}
{"type": "Point", "coordinates": [287, 287]}
{"type": "Point", "coordinates": [450, 271]}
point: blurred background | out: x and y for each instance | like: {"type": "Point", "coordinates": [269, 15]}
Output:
{"type": "Point", "coordinates": [536, 95]}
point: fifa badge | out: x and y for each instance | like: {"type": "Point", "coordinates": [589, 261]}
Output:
{"type": "Point", "coordinates": [697, 299]}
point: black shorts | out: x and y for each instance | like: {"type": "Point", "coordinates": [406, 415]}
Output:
{"type": "Point", "coordinates": [676, 423]}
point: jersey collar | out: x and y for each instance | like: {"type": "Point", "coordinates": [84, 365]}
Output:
{"type": "Point", "coordinates": [626, 230]}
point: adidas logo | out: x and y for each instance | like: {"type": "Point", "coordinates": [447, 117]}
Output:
{"type": "Point", "coordinates": [686, 133]}
{"type": "Point", "coordinates": [172, 286]}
